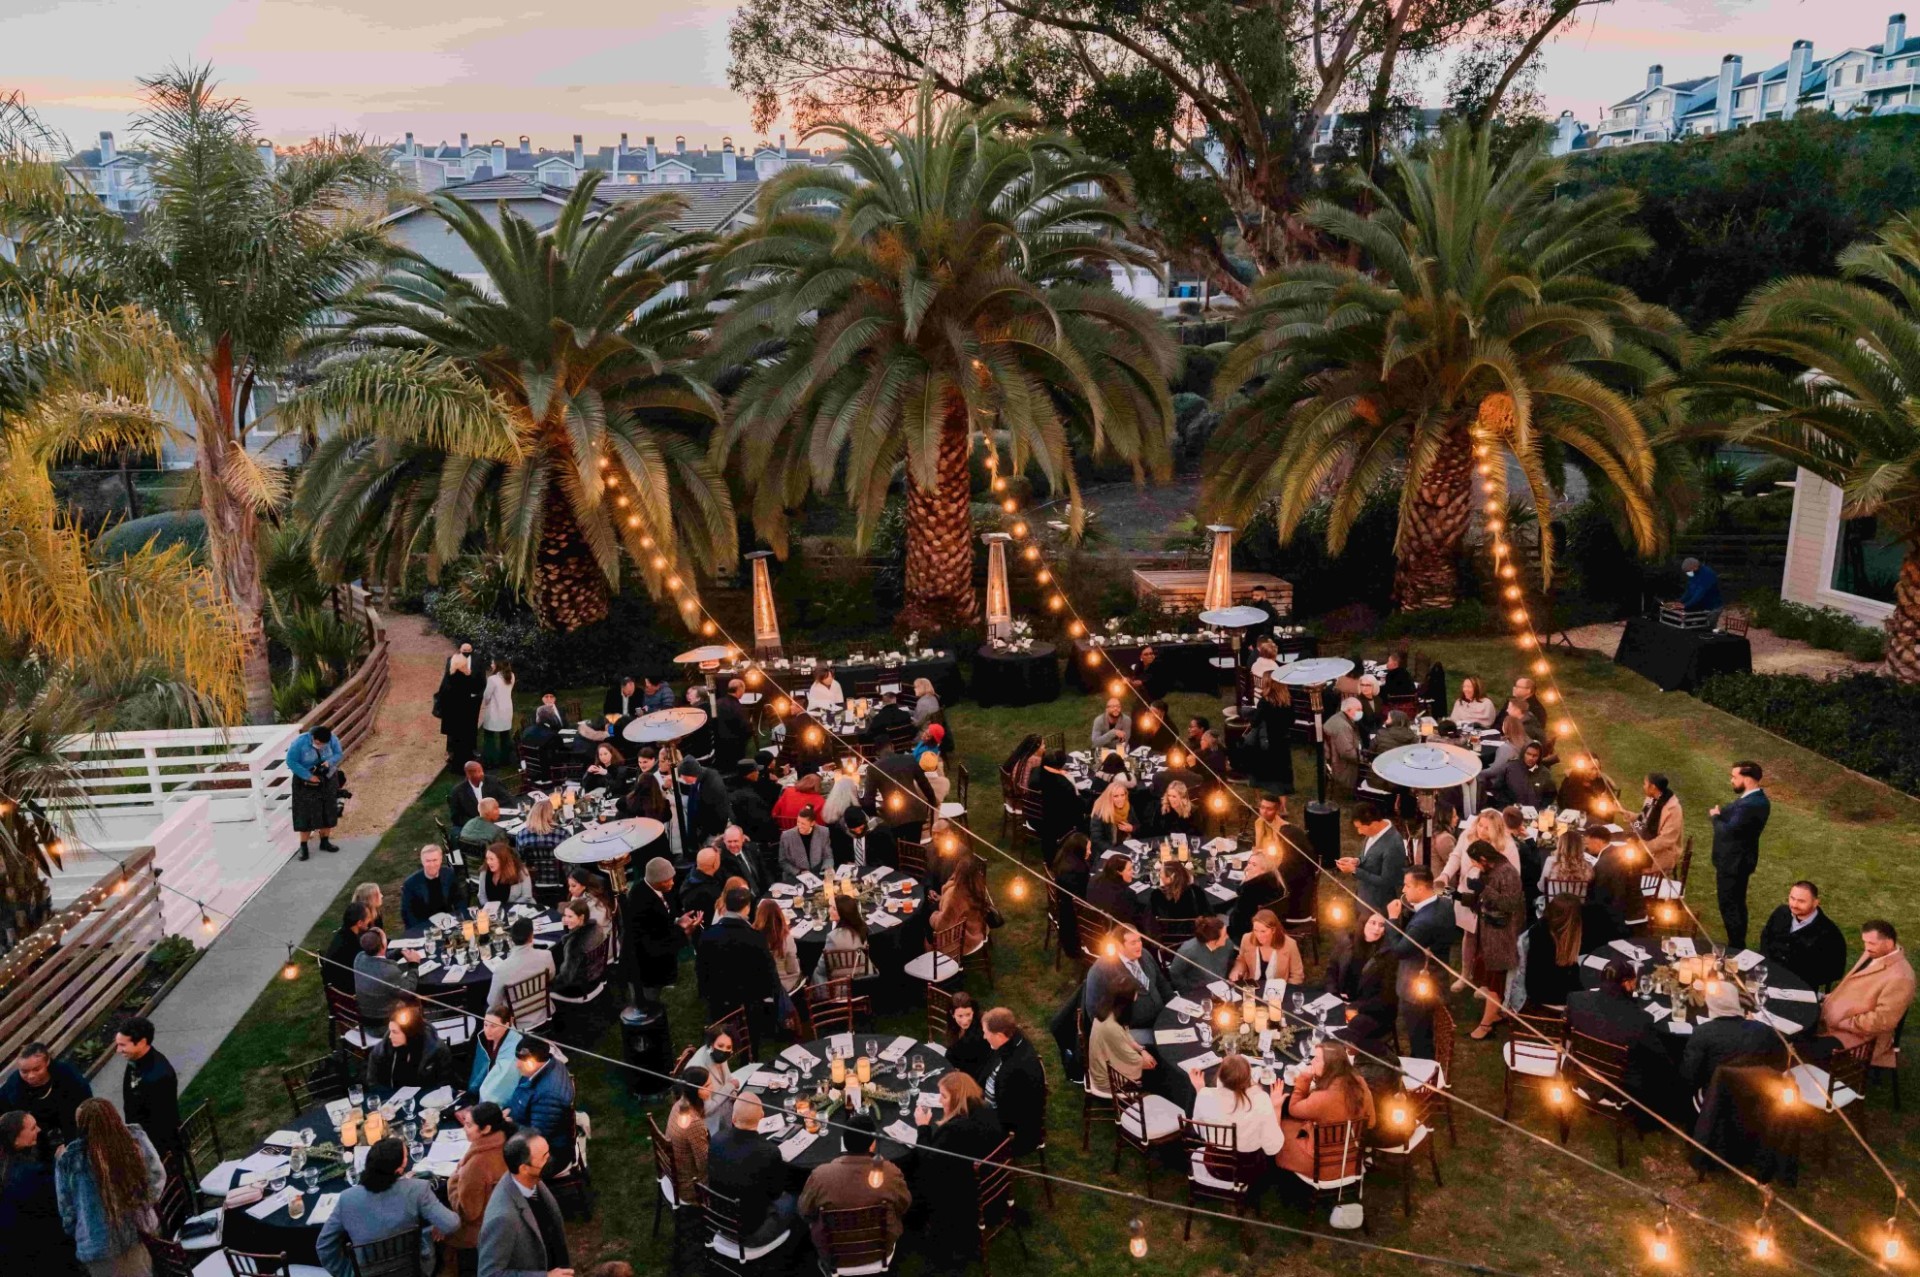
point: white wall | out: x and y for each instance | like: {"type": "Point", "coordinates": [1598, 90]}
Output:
{"type": "Point", "coordinates": [1812, 537]}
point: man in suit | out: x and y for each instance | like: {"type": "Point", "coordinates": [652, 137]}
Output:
{"type": "Point", "coordinates": [744, 1165]}
{"type": "Point", "coordinates": [336, 964]}
{"type": "Point", "coordinates": [1015, 1085]}
{"type": "Point", "coordinates": [1287, 846]}
{"type": "Point", "coordinates": [623, 700]}
{"type": "Point", "coordinates": [739, 858]}
{"type": "Point", "coordinates": [523, 962]}
{"type": "Point", "coordinates": [891, 719]}
{"type": "Point", "coordinates": [522, 1233]}
{"type": "Point", "coordinates": [857, 841]}
{"type": "Point", "coordinates": [733, 966]}
{"type": "Point", "coordinates": [806, 848]}
{"type": "Point", "coordinates": [436, 887]}
{"type": "Point", "coordinates": [1801, 938]}
{"type": "Point", "coordinates": [1382, 860]}
{"type": "Point", "coordinates": [149, 1089]}
{"type": "Point", "coordinates": [1534, 712]}
{"type": "Point", "coordinates": [746, 805]}
{"type": "Point", "coordinates": [1726, 1036]}
{"type": "Point", "coordinates": [1421, 937]}
{"type": "Point", "coordinates": [1341, 732]}
{"type": "Point", "coordinates": [1061, 811]}
{"type": "Point", "coordinates": [1611, 1014]}
{"type": "Point", "coordinates": [1614, 901]}
{"type": "Point", "coordinates": [843, 1183]}
{"type": "Point", "coordinates": [732, 728]}
{"type": "Point", "coordinates": [701, 891]}
{"type": "Point", "coordinates": [703, 800]}
{"type": "Point", "coordinates": [1736, 846]}
{"type": "Point", "coordinates": [654, 936]}
{"type": "Point", "coordinates": [463, 800]}
{"type": "Point", "coordinates": [1130, 961]}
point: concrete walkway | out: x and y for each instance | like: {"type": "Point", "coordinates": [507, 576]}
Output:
{"type": "Point", "coordinates": [210, 1001]}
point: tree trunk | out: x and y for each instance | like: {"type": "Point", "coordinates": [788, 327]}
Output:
{"type": "Point", "coordinates": [1903, 624]}
{"type": "Point", "coordinates": [940, 539]}
{"type": "Point", "coordinates": [233, 535]}
{"type": "Point", "coordinates": [569, 589]}
{"type": "Point", "coordinates": [1427, 572]}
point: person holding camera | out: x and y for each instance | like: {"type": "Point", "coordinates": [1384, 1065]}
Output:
{"type": "Point", "coordinates": [314, 761]}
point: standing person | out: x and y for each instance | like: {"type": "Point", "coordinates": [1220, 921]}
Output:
{"type": "Point", "coordinates": [1382, 859]}
{"type": "Point", "coordinates": [336, 964]}
{"type": "Point", "coordinates": [522, 1233]}
{"type": "Point", "coordinates": [149, 1088]}
{"type": "Point", "coordinates": [457, 706]}
{"type": "Point", "coordinates": [654, 936]}
{"type": "Point", "coordinates": [1421, 937]}
{"type": "Point", "coordinates": [108, 1179]}
{"type": "Point", "coordinates": [29, 1203]}
{"type": "Point", "coordinates": [1803, 939]}
{"type": "Point", "coordinates": [480, 1171]}
{"type": "Point", "coordinates": [1498, 909]}
{"type": "Point", "coordinates": [496, 714]}
{"type": "Point", "coordinates": [732, 726]}
{"type": "Point", "coordinates": [1342, 736]}
{"type": "Point", "coordinates": [1061, 811]}
{"type": "Point", "coordinates": [314, 762]}
{"type": "Point", "coordinates": [52, 1090]}
{"type": "Point", "coordinates": [1267, 753]}
{"type": "Point", "coordinates": [733, 966]}
{"type": "Point", "coordinates": [1736, 847]}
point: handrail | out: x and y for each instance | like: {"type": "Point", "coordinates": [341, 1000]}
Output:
{"type": "Point", "coordinates": [352, 707]}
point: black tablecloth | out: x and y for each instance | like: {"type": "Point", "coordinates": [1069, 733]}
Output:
{"type": "Point", "coordinates": [866, 678]}
{"type": "Point", "coordinates": [890, 948]}
{"type": "Point", "coordinates": [1804, 1015]}
{"type": "Point", "coordinates": [1188, 664]}
{"type": "Point", "coordinates": [1180, 1055]}
{"type": "Point", "coordinates": [885, 1112]}
{"type": "Point", "coordinates": [1680, 660]}
{"type": "Point", "coordinates": [470, 991]}
{"type": "Point", "coordinates": [1016, 678]}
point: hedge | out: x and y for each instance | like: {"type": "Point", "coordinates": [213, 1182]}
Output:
{"type": "Point", "coordinates": [1868, 723]}
{"type": "Point", "coordinates": [1821, 626]}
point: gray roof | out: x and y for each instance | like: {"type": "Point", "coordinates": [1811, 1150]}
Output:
{"type": "Point", "coordinates": [90, 158]}
{"type": "Point", "coordinates": [709, 205]}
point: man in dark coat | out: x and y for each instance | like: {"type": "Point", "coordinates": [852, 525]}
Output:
{"type": "Point", "coordinates": [1800, 937]}
{"type": "Point", "coordinates": [744, 1165]}
{"type": "Point", "coordinates": [654, 937]}
{"type": "Point", "coordinates": [859, 840]}
{"type": "Point", "coordinates": [457, 706]}
{"type": "Point", "coordinates": [1611, 1014]}
{"type": "Point", "coordinates": [747, 806]}
{"type": "Point", "coordinates": [623, 700]}
{"type": "Point", "coordinates": [463, 800]}
{"type": "Point", "coordinates": [436, 887]}
{"type": "Point", "coordinates": [1613, 898]}
{"type": "Point", "coordinates": [1422, 925]}
{"type": "Point", "coordinates": [703, 801]}
{"type": "Point", "coordinates": [890, 719]}
{"type": "Point", "coordinates": [1736, 847]}
{"type": "Point", "coordinates": [1016, 1084]}
{"type": "Point", "coordinates": [734, 967]}
{"type": "Point", "coordinates": [149, 1089]}
{"type": "Point", "coordinates": [732, 727]}
{"type": "Point", "coordinates": [1061, 811]}
{"type": "Point", "coordinates": [336, 964]}
{"type": "Point", "coordinates": [1726, 1036]}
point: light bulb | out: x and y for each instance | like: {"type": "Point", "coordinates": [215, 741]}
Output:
{"type": "Point", "coordinates": [673, 583]}
{"type": "Point", "coordinates": [1789, 1093]}
{"type": "Point", "coordinates": [1217, 803]}
{"type": "Point", "coordinates": [646, 543]}
{"type": "Point", "coordinates": [1662, 1247]}
{"type": "Point", "coordinates": [877, 1173]}
{"type": "Point", "coordinates": [1111, 948]}
{"type": "Point", "coordinates": [1055, 603]}
{"type": "Point", "coordinates": [1518, 616]}
{"type": "Point", "coordinates": [782, 706]}
{"type": "Point", "coordinates": [1549, 696]}
{"type": "Point", "coordinates": [895, 802]}
{"type": "Point", "coordinates": [1176, 759]}
{"type": "Point", "coordinates": [1137, 1238]}
{"type": "Point", "coordinates": [1031, 553]}
{"type": "Point", "coordinates": [1336, 912]}
{"type": "Point", "coordinates": [708, 628]}
{"type": "Point", "coordinates": [1890, 1248]}
{"type": "Point", "coordinates": [1513, 591]}
{"type": "Point", "coordinates": [1541, 667]}
{"type": "Point", "coordinates": [206, 922]}
{"type": "Point", "coordinates": [1763, 1239]}
{"type": "Point", "coordinates": [1093, 660]}
{"type": "Point", "coordinates": [1009, 505]}
{"type": "Point", "coordinates": [1116, 687]}
{"type": "Point", "coordinates": [1019, 530]}
{"type": "Point", "coordinates": [1493, 507]}
{"type": "Point", "coordinates": [1075, 629]}
{"type": "Point", "coordinates": [686, 1121]}
{"type": "Point", "coordinates": [633, 520]}
{"type": "Point", "coordinates": [291, 971]}
{"type": "Point", "coordinates": [621, 502]}
{"type": "Point", "coordinates": [1019, 889]}
{"type": "Point", "coordinates": [1557, 1094]}
{"type": "Point", "coordinates": [813, 736]}
{"type": "Point", "coordinates": [1422, 986]}
{"type": "Point", "coordinates": [999, 483]}
{"type": "Point", "coordinates": [659, 563]}
{"type": "Point", "coordinates": [1043, 576]}
{"type": "Point", "coordinates": [1398, 1115]}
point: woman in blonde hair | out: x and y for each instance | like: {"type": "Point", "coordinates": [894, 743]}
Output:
{"type": "Point", "coordinates": [925, 703]}
{"type": "Point", "coordinates": [1112, 817]}
{"type": "Point", "coordinates": [108, 1180]}
{"type": "Point", "coordinates": [1177, 811]}
{"type": "Point", "coordinates": [542, 828]}
{"type": "Point", "coordinates": [966, 1130]}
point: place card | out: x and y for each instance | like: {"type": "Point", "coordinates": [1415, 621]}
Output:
{"type": "Point", "coordinates": [1141, 888]}
{"type": "Point", "coordinates": [1276, 991]}
{"type": "Point", "coordinates": [773, 1124]}
{"type": "Point", "coordinates": [875, 874]}
{"type": "Point", "coordinates": [1221, 846]}
{"type": "Point", "coordinates": [443, 920]}
{"type": "Point", "coordinates": [271, 1203]}
{"type": "Point", "coordinates": [1594, 962]}
{"type": "Point", "coordinates": [1222, 990]}
{"type": "Point", "coordinates": [323, 1209]}
{"type": "Point", "coordinates": [1631, 950]}
{"type": "Point", "coordinates": [1266, 1041]}
{"type": "Point", "coordinates": [1203, 1061]}
{"type": "Point", "coordinates": [336, 1111]}
{"type": "Point", "coordinates": [1747, 960]}
{"type": "Point", "coordinates": [1185, 1006]}
{"type": "Point", "coordinates": [431, 964]}
{"type": "Point", "coordinates": [932, 1101]}
{"type": "Point", "coordinates": [801, 1058]}
{"type": "Point", "coordinates": [902, 1133]}
{"type": "Point", "coordinates": [282, 1139]}
{"type": "Point", "coordinates": [797, 1143]}
{"type": "Point", "coordinates": [1219, 892]}
{"type": "Point", "coordinates": [1659, 1011]}
{"type": "Point", "coordinates": [843, 1043]}
{"type": "Point", "coordinates": [1325, 1002]}
{"type": "Point", "coordinates": [881, 920]}
{"type": "Point", "coordinates": [455, 974]}
{"type": "Point", "coordinates": [1174, 1037]}
{"type": "Point", "coordinates": [936, 1047]}
{"type": "Point", "coordinates": [897, 1050]}
{"type": "Point", "coordinates": [810, 880]}
{"type": "Point", "coordinates": [1681, 1027]}
{"type": "Point", "coordinates": [1792, 995]}
{"type": "Point", "coordinates": [261, 1165]}
{"type": "Point", "coordinates": [399, 1097]}
{"type": "Point", "coordinates": [803, 927]}
{"type": "Point", "coordinates": [843, 872]}
{"type": "Point", "coordinates": [1683, 947]}
{"type": "Point", "coordinates": [783, 889]}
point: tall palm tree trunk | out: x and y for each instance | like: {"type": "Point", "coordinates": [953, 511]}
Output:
{"type": "Point", "coordinates": [569, 590]}
{"type": "Point", "coordinates": [940, 538]}
{"type": "Point", "coordinates": [233, 532]}
{"type": "Point", "coordinates": [1427, 571]}
{"type": "Point", "coordinates": [1903, 626]}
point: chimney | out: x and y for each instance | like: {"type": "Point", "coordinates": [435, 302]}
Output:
{"type": "Point", "coordinates": [623, 145]}
{"type": "Point", "coordinates": [410, 151]}
{"type": "Point", "coordinates": [1799, 62]}
{"type": "Point", "coordinates": [106, 148]}
{"type": "Point", "coordinates": [680, 144]}
{"type": "Point", "coordinates": [783, 146]}
{"type": "Point", "coordinates": [499, 158]}
{"type": "Point", "coordinates": [579, 153]}
{"type": "Point", "coordinates": [463, 144]}
{"type": "Point", "coordinates": [526, 145]}
{"type": "Point", "coordinates": [1723, 92]}
{"type": "Point", "coordinates": [729, 161]}
{"type": "Point", "coordinates": [1896, 34]}
{"type": "Point", "coordinates": [1656, 76]}
{"type": "Point", "coordinates": [653, 153]}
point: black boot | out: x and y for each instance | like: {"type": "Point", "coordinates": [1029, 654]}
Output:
{"type": "Point", "coordinates": [326, 844]}
{"type": "Point", "coordinates": [304, 853]}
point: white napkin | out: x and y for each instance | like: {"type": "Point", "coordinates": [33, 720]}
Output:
{"type": "Point", "coordinates": [1777, 1021]}
{"type": "Point", "coordinates": [448, 1146]}
{"type": "Point", "coordinates": [903, 1133]}
{"type": "Point", "coordinates": [936, 1048]}
{"type": "Point", "coordinates": [1325, 1002]}
{"type": "Point", "coordinates": [431, 964]}
{"type": "Point", "coordinates": [1747, 960]}
{"type": "Point", "coordinates": [439, 1098]}
{"type": "Point", "coordinates": [442, 919]}
{"type": "Point", "coordinates": [1142, 888]}
{"type": "Point", "coordinates": [801, 1058]}
{"type": "Point", "coordinates": [897, 1050]}
{"type": "Point", "coordinates": [491, 964]}
{"type": "Point", "coordinates": [1659, 1011]}
{"type": "Point", "coordinates": [810, 880]}
{"type": "Point", "coordinates": [875, 874]}
{"type": "Point", "coordinates": [220, 1179]}
{"type": "Point", "coordinates": [1792, 995]}
{"type": "Point", "coordinates": [797, 1144]}
{"type": "Point", "coordinates": [1594, 961]}
{"type": "Point", "coordinates": [1219, 892]}
{"type": "Point", "coordinates": [1222, 990]}
{"type": "Point", "coordinates": [1221, 845]}
{"type": "Point", "coordinates": [1680, 1027]}
{"type": "Point", "coordinates": [1631, 950]}
{"type": "Point", "coordinates": [271, 1203]}
{"type": "Point", "coordinates": [802, 927]}
{"type": "Point", "coordinates": [260, 1166]}
{"type": "Point", "coordinates": [1203, 1061]}
{"type": "Point", "coordinates": [783, 889]}
{"type": "Point", "coordinates": [323, 1209]}
{"type": "Point", "coordinates": [1183, 1006]}
{"type": "Point", "coordinates": [1173, 1037]}
{"type": "Point", "coordinates": [773, 1124]}
{"type": "Point", "coordinates": [455, 974]}
{"type": "Point", "coordinates": [398, 1098]}
{"type": "Point", "coordinates": [336, 1112]}
{"type": "Point", "coordinates": [880, 920]}
{"type": "Point", "coordinates": [282, 1139]}
{"type": "Point", "coordinates": [1683, 947]}
{"type": "Point", "coordinates": [843, 1043]}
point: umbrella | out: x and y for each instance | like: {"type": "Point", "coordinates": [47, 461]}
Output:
{"type": "Point", "coordinates": [1237, 617]}
{"type": "Point", "coordinates": [1311, 673]}
{"type": "Point", "coordinates": [1427, 766]}
{"type": "Point", "coordinates": [610, 841]}
{"type": "Point", "coordinates": [665, 725]}
{"type": "Point", "coordinates": [712, 653]}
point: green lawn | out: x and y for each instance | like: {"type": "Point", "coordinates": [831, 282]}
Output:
{"type": "Point", "coordinates": [1508, 1203]}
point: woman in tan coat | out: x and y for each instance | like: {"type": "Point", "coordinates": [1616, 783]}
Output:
{"type": "Point", "coordinates": [1661, 824]}
{"type": "Point", "coordinates": [481, 1169]}
{"type": "Point", "coordinates": [1327, 1090]}
{"type": "Point", "coordinates": [1267, 952]}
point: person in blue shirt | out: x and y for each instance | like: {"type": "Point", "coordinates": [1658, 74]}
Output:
{"type": "Point", "coordinates": [1703, 588]}
{"type": "Point", "coordinates": [543, 1100]}
{"type": "Point", "coordinates": [314, 760]}
{"type": "Point", "coordinates": [658, 694]}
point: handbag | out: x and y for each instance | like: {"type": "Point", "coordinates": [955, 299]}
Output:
{"type": "Point", "coordinates": [1347, 1215]}
{"type": "Point", "coordinates": [994, 917]}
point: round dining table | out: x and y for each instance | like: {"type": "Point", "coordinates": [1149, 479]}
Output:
{"type": "Point", "coordinates": [1183, 1032]}
{"type": "Point", "coordinates": [445, 976]}
{"type": "Point", "coordinates": [804, 1072]}
{"type": "Point", "coordinates": [1790, 1004]}
{"type": "Point", "coordinates": [887, 893]}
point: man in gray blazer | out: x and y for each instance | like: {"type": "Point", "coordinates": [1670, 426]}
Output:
{"type": "Point", "coordinates": [1342, 734]}
{"type": "Point", "coordinates": [807, 847]}
{"type": "Point", "coordinates": [522, 1233]}
{"type": "Point", "coordinates": [1382, 861]}
{"type": "Point", "coordinates": [1129, 961]}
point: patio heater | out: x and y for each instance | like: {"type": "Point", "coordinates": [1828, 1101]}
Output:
{"type": "Point", "coordinates": [1315, 675]}
{"type": "Point", "coordinates": [766, 626]}
{"type": "Point", "coordinates": [1219, 570]}
{"type": "Point", "coordinates": [999, 599]}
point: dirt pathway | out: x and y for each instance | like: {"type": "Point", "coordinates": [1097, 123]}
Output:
{"type": "Point", "coordinates": [1771, 653]}
{"type": "Point", "coordinates": [406, 751]}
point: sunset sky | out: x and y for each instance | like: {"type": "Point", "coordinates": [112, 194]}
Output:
{"type": "Point", "coordinates": [548, 69]}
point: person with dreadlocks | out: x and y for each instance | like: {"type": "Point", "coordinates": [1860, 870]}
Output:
{"type": "Point", "coordinates": [108, 1179]}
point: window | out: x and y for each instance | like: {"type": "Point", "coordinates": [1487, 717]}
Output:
{"type": "Point", "coordinates": [1866, 560]}
{"type": "Point", "coordinates": [1776, 94]}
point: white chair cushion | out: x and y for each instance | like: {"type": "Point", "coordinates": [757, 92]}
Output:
{"type": "Point", "coordinates": [727, 1247]}
{"type": "Point", "coordinates": [1534, 1062]}
{"type": "Point", "coordinates": [1814, 1083]}
{"type": "Point", "coordinates": [589, 996]}
{"type": "Point", "coordinates": [1327, 1185]}
{"type": "Point", "coordinates": [933, 967]}
{"type": "Point", "coordinates": [952, 811]}
{"type": "Point", "coordinates": [1095, 1091]}
{"type": "Point", "coordinates": [359, 1038]}
{"type": "Point", "coordinates": [1416, 1072]}
{"type": "Point", "coordinates": [1197, 1168]}
{"type": "Point", "coordinates": [1162, 1115]}
{"type": "Point", "coordinates": [666, 1191]}
{"type": "Point", "coordinates": [864, 1270]}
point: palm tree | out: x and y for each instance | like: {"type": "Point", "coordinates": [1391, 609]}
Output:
{"type": "Point", "coordinates": [1825, 373]}
{"type": "Point", "coordinates": [238, 260]}
{"type": "Point", "coordinates": [550, 412]}
{"type": "Point", "coordinates": [1476, 318]}
{"type": "Point", "coordinates": [939, 291]}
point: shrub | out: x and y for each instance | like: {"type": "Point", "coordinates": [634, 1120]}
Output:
{"type": "Point", "coordinates": [1466, 617]}
{"type": "Point", "coordinates": [1821, 626]}
{"type": "Point", "coordinates": [636, 636]}
{"type": "Point", "coordinates": [185, 527]}
{"type": "Point", "coordinates": [1866, 722]}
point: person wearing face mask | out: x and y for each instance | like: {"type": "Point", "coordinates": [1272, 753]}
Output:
{"type": "Point", "coordinates": [1702, 592]}
{"type": "Point", "coordinates": [1736, 846]}
{"type": "Point", "coordinates": [1342, 735]}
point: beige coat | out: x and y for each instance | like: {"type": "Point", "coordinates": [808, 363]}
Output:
{"type": "Point", "coordinates": [1868, 1002]}
{"type": "Point", "coordinates": [1665, 842]}
{"type": "Point", "coordinates": [481, 1169]}
{"type": "Point", "coordinates": [1283, 964]}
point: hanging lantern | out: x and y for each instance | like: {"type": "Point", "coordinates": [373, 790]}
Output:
{"type": "Point", "coordinates": [766, 626]}
{"type": "Point", "coordinates": [1219, 569]}
{"type": "Point", "coordinates": [999, 599]}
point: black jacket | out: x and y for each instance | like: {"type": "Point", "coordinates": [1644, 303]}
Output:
{"type": "Point", "coordinates": [1263, 891]}
{"type": "Point", "coordinates": [698, 893]}
{"type": "Point", "coordinates": [654, 939]}
{"type": "Point", "coordinates": [1298, 874]}
{"type": "Point", "coordinates": [1737, 830]}
{"type": "Point", "coordinates": [336, 964]}
{"type": "Point", "coordinates": [30, 1220]}
{"type": "Point", "coordinates": [52, 1107]}
{"type": "Point", "coordinates": [1817, 953]}
{"type": "Point", "coordinates": [627, 706]}
{"type": "Point", "coordinates": [1016, 1087]}
{"type": "Point", "coordinates": [150, 1099]}
{"type": "Point", "coordinates": [1117, 903]}
{"type": "Point", "coordinates": [944, 1177]}
{"type": "Point", "coordinates": [751, 812]}
{"type": "Point", "coordinates": [970, 1053]}
{"type": "Point", "coordinates": [1615, 892]}
{"type": "Point", "coordinates": [1367, 978]}
{"type": "Point", "coordinates": [416, 905]}
{"type": "Point", "coordinates": [732, 730]}
{"type": "Point", "coordinates": [1613, 1016]}
{"type": "Point", "coordinates": [573, 976]}
{"type": "Point", "coordinates": [734, 968]}
{"type": "Point", "coordinates": [1548, 983]}
{"type": "Point", "coordinates": [1728, 1039]}
{"type": "Point", "coordinates": [463, 805]}
{"type": "Point", "coordinates": [881, 848]}
{"type": "Point", "coordinates": [1431, 929]}
{"type": "Point", "coordinates": [705, 805]}
{"type": "Point", "coordinates": [1061, 811]}
{"type": "Point", "coordinates": [429, 1066]}
{"type": "Point", "coordinates": [745, 1166]}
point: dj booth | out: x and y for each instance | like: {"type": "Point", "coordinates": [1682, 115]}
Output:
{"type": "Point", "coordinates": [1681, 659]}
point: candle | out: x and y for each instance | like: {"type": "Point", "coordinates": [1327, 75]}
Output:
{"type": "Point", "coordinates": [1262, 1019]}
{"type": "Point", "coordinates": [863, 1069]}
{"type": "Point", "coordinates": [1247, 1005]}
{"type": "Point", "coordinates": [482, 923]}
{"type": "Point", "coordinates": [837, 1070]}
{"type": "Point", "coordinates": [376, 1127]}
{"type": "Point", "coordinates": [466, 932]}
{"type": "Point", "coordinates": [349, 1130]}
{"type": "Point", "coordinates": [1166, 852]}
{"type": "Point", "coordinates": [1183, 855]}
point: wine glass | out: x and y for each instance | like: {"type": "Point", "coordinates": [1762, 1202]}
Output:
{"type": "Point", "coordinates": [873, 1049]}
{"type": "Point", "coordinates": [310, 1179]}
{"type": "Point", "coordinates": [356, 1095]}
{"type": "Point", "coordinates": [278, 1181]}
{"type": "Point", "coordinates": [918, 1069]}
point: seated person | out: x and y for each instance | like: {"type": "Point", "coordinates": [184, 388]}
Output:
{"type": "Point", "coordinates": [1112, 820]}
{"type": "Point", "coordinates": [436, 887]}
{"type": "Point", "coordinates": [379, 983]}
{"type": "Point", "coordinates": [1552, 971]}
{"type": "Point", "coordinates": [1151, 675]}
{"type": "Point", "coordinates": [485, 827]}
{"type": "Point", "coordinates": [1802, 939]}
{"type": "Point", "coordinates": [1365, 972]}
{"type": "Point", "coordinates": [1130, 962]}
{"type": "Point", "coordinates": [845, 1183]}
{"type": "Point", "coordinates": [743, 1165]}
{"type": "Point", "coordinates": [1398, 681]}
{"type": "Point", "coordinates": [1610, 1014]}
{"type": "Point", "coordinates": [1205, 958]}
{"type": "Point", "coordinates": [1870, 1000]}
{"type": "Point", "coordinates": [410, 1054]}
{"type": "Point", "coordinates": [825, 694]}
{"type": "Point", "coordinates": [1327, 1090]}
{"type": "Point", "coordinates": [1524, 780]}
{"type": "Point", "coordinates": [1235, 1101]}
{"type": "Point", "coordinates": [1112, 729]}
{"type": "Point", "coordinates": [1398, 730]}
{"type": "Point", "coordinates": [543, 1100]}
{"type": "Point", "coordinates": [1727, 1036]}
{"type": "Point", "coordinates": [1111, 894]}
{"type": "Point", "coordinates": [1268, 953]}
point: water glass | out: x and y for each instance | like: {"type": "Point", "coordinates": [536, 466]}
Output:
{"type": "Point", "coordinates": [873, 1049]}
{"type": "Point", "coordinates": [917, 1070]}
{"type": "Point", "coordinates": [278, 1180]}
{"type": "Point", "coordinates": [310, 1179]}
{"type": "Point", "coordinates": [356, 1095]}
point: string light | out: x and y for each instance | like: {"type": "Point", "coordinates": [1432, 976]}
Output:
{"type": "Point", "coordinates": [1662, 1245]}
{"type": "Point", "coordinates": [291, 971]}
{"type": "Point", "coordinates": [877, 1171]}
{"type": "Point", "coordinates": [206, 920]}
{"type": "Point", "coordinates": [1891, 1247]}
{"type": "Point", "coordinates": [1764, 1246]}
{"type": "Point", "coordinates": [1137, 1237]}
{"type": "Point", "coordinates": [1018, 889]}
{"type": "Point", "coordinates": [1019, 530]}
